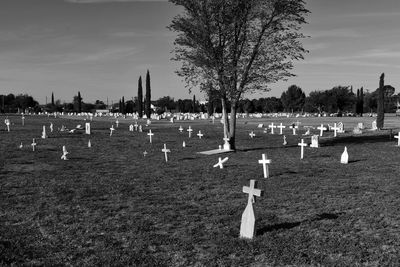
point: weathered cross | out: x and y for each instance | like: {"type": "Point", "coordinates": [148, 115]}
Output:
{"type": "Point", "coordinates": [272, 126]}
{"type": "Point", "coordinates": [136, 126]}
{"type": "Point", "coordinates": [190, 130]}
{"type": "Point", "coordinates": [65, 152]}
{"type": "Point", "coordinates": [302, 144]}
{"type": "Point", "coordinates": [33, 144]}
{"type": "Point", "coordinates": [221, 162]}
{"type": "Point", "coordinates": [335, 129]}
{"type": "Point", "coordinates": [251, 191]}
{"type": "Point", "coordinates": [112, 129]}
{"type": "Point", "coordinates": [398, 139]}
{"type": "Point", "coordinates": [180, 128]}
{"type": "Point", "coordinates": [281, 126]}
{"type": "Point", "coordinates": [322, 129]}
{"type": "Point", "coordinates": [150, 134]}
{"type": "Point", "coordinates": [264, 161]}
{"type": "Point", "coordinates": [165, 150]}
{"type": "Point", "coordinates": [200, 134]}
{"type": "Point", "coordinates": [252, 134]}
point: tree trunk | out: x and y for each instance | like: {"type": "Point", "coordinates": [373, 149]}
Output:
{"type": "Point", "coordinates": [232, 125]}
{"type": "Point", "coordinates": [225, 118]}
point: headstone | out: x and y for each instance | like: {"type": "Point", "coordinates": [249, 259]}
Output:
{"type": "Point", "coordinates": [165, 150]}
{"type": "Point", "coordinates": [131, 128]}
{"type": "Point", "coordinates": [284, 140]}
{"type": "Point", "coordinates": [183, 144]}
{"type": "Point", "coordinates": [314, 141]}
{"type": "Point", "coordinates": [272, 127]}
{"type": "Point", "coordinates": [65, 152]}
{"type": "Point", "coordinates": [44, 136]}
{"type": "Point", "coordinates": [200, 135]}
{"type": "Point", "coordinates": [281, 127]}
{"type": "Point", "coordinates": [398, 139]}
{"type": "Point", "coordinates": [357, 130]}
{"type": "Point", "coordinates": [227, 145]}
{"type": "Point", "coordinates": [112, 130]}
{"type": "Point", "coordinates": [264, 161]}
{"type": "Point", "coordinates": [136, 126]}
{"type": "Point", "coordinates": [140, 128]}
{"type": "Point", "coordinates": [87, 128]}
{"type": "Point", "coordinates": [294, 127]}
{"type": "Point", "coordinates": [21, 146]}
{"type": "Point", "coordinates": [252, 134]}
{"type": "Point", "coordinates": [344, 159]}
{"type": "Point", "coordinates": [221, 162]}
{"type": "Point", "coordinates": [302, 145]}
{"type": "Point", "coordinates": [7, 122]}
{"type": "Point", "coordinates": [180, 128]}
{"type": "Point", "coordinates": [260, 125]}
{"type": "Point", "coordinates": [373, 125]}
{"type": "Point", "coordinates": [33, 144]}
{"type": "Point", "coordinates": [340, 125]}
{"type": "Point", "coordinates": [150, 134]}
{"type": "Point", "coordinates": [148, 122]}
{"type": "Point", "coordinates": [248, 218]}
{"type": "Point", "coordinates": [89, 144]}
{"type": "Point", "coordinates": [322, 129]}
{"type": "Point", "coordinates": [360, 125]}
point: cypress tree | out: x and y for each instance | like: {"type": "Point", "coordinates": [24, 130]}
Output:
{"type": "Point", "coordinates": [79, 102]}
{"type": "Point", "coordinates": [194, 103]}
{"type": "Point", "coordinates": [140, 97]}
{"type": "Point", "coordinates": [123, 105]}
{"type": "Point", "coordinates": [361, 101]}
{"type": "Point", "coordinates": [381, 106]}
{"type": "Point", "coordinates": [358, 102]}
{"type": "Point", "coordinates": [148, 95]}
{"type": "Point", "coordinates": [52, 99]}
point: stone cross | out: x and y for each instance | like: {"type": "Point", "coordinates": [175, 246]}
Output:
{"type": "Point", "coordinates": [398, 139]}
{"type": "Point", "coordinates": [65, 152]}
{"type": "Point", "coordinates": [150, 134]}
{"type": "Point", "coordinates": [294, 127]}
{"type": "Point", "coordinates": [221, 162]}
{"type": "Point", "coordinates": [252, 134]}
{"type": "Point", "coordinates": [180, 128]}
{"type": "Point", "coordinates": [112, 130]}
{"type": "Point", "coordinates": [165, 150]}
{"type": "Point", "coordinates": [272, 126]}
{"type": "Point", "coordinates": [264, 161]}
{"type": "Point", "coordinates": [44, 132]}
{"type": "Point", "coordinates": [33, 144]}
{"type": "Point", "coordinates": [200, 134]}
{"type": "Point", "coordinates": [322, 129]}
{"type": "Point", "coordinates": [190, 130]}
{"type": "Point", "coordinates": [335, 129]}
{"type": "Point", "coordinates": [227, 146]}
{"type": "Point", "coordinates": [302, 145]}
{"type": "Point", "coordinates": [281, 126]}
{"type": "Point", "coordinates": [248, 218]}
{"type": "Point", "coordinates": [87, 128]}
{"type": "Point", "coordinates": [136, 126]}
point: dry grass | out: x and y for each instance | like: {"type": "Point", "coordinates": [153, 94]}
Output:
{"type": "Point", "coordinates": [110, 205]}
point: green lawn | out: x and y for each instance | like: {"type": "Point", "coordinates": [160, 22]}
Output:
{"type": "Point", "coordinates": [110, 205]}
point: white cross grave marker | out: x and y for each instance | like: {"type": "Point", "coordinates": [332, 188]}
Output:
{"type": "Point", "coordinates": [264, 161]}
{"type": "Point", "coordinates": [165, 150]}
{"type": "Point", "coordinates": [335, 129]}
{"type": "Point", "coordinates": [150, 134]}
{"type": "Point", "coordinates": [281, 126]}
{"type": "Point", "coordinates": [136, 126]}
{"type": "Point", "coordinates": [398, 139]}
{"type": "Point", "coordinates": [272, 126]}
{"type": "Point", "coordinates": [131, 128]}
{"type": "Point", "coordinates": [227, 146]}
{"type": "Point", "coordinates": [302, 144]}
{"type": "Point", "coordinates": [221, 162]}
{"type": "Point", "coordinates": [65, 152]}
{"type": "Point", "coordinates": [322, 129]}
{"type": "Point", "coordinates": [33, 144]}
{"type": "Point", "coordinates": [248, 218]}
{"type": "Point", "coordinates": [252, 134]}
{"type": "Point", "coordinates": [180, 128]}
{"type": "Point", "coordinates": [200, 134]}
{"type": "Point", "coordinates": [183, 144]}
{"type": "Point", "coordinates": [190, 130]}
{"type": "Point", "coordinates": [112, 130]}
{"type": "Point", "coordinates": [7, 122]}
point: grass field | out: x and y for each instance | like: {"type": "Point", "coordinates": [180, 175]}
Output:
{"type": "Point", "coordinates": [110, 205]}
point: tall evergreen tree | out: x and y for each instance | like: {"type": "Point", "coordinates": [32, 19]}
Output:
{"type": "Point", "coordinates": [148, 95]}
{"type": "Point", "coordinates": [123, 111]}
{"type": "Point", "coordinates": [52, 99]}
{"type": "Point", "coordinates": [79, 102]}
{"type": "Point", "coordinates": [140, 97]}
{"type": "Point", "coordinates": [381, 103]}
{"type": "Point", "coordinates": [194, 103]}
{"type": "Point", "coordinates": [361, 101]}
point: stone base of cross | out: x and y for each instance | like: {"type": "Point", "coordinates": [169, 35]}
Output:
{"type": "Point", "coordinates": [248, 218]}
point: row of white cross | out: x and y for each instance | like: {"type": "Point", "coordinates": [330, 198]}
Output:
{"type": "Point", "coordinates": [295, 127]}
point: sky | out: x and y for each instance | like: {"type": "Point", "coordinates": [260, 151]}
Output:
{"type": "Point", "coordinates": [101, 47]}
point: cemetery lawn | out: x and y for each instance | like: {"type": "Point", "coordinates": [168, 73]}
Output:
{"type": "Point", "coordinates": [110, 205]}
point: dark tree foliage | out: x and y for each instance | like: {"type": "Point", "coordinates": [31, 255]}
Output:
{"type": "Point", "coordinates": [79, 102]}
{"type": "Point", "coordinates": [20, 103]}
{"type": "Point", "coordinates": [194, 104]}
{"type": "Point", "coordinates": [381, 104]}
{"type": "Point", "coordinates": [293, 99]}
{"type": "Point", "coordinates": [148, 95]}
{"type": "Point", "coordinates": [140, 98]}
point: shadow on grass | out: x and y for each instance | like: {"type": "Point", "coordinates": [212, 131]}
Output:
{"type": "Point", "coordinates": [357, 139]}
{"type": "Point", "coordinates": [290, 225]}
{"type": "Point", "coordinates": [263, 148]}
